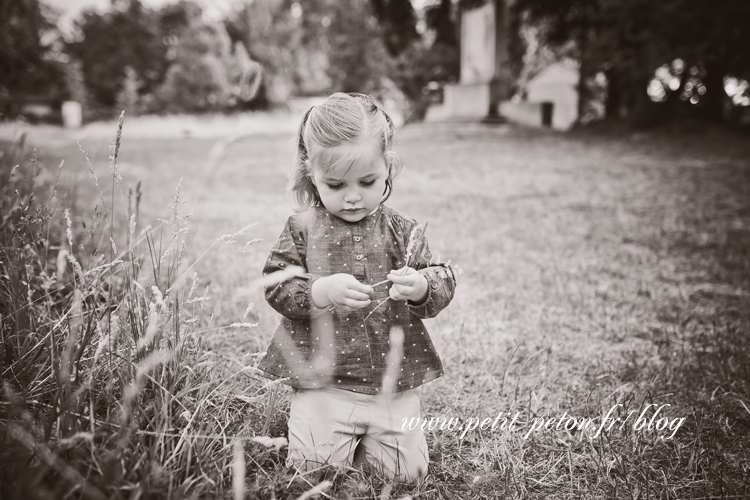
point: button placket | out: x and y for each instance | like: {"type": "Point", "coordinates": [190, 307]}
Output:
{"type": "Point", "coordinates": [358, 247]}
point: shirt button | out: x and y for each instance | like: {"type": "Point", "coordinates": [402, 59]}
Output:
{"type": "Point", "coordinates": [359, 257]}
{"type": "Point", "coordinates": [357, 238]}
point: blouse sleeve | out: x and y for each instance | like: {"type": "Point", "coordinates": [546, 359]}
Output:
{"type": "Point", "coordinates": [291, 297]}
{"type": "Point", "coordinates": [441, 283]}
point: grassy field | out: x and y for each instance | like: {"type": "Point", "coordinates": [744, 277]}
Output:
{"type": "Point", "coordinates": [600, 271]}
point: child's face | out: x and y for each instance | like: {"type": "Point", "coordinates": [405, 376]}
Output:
{"type": "Point", "coordinates": [352, 190]}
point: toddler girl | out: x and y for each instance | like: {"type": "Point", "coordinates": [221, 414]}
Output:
{"type": "Point", "coordinates": [352, 318]}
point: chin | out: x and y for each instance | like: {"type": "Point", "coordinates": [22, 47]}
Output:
{"type": "Point", "coordinates": [349, 217]}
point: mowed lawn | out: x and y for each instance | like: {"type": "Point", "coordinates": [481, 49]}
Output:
{"type": "Point", "coordinates": [600, 271]}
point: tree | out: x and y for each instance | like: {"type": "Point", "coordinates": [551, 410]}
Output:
{"type": "Point", "coordinates": [432, 58]}
{"type": "Point", "coordinates": [194, 85]}
{"type": "Point", "coordinates": [128, 98]}
{"type": "Point", "coordinates": [629, 39]}
{"type": "Point", "coordinates": [442, 19]}
{"type": "Point", "coordinates": [245, 75]}
{"type": "Point", "coordinates": [205, 74]}
{"type": "Point", "coordinates": [269, 33]}
{"type": "Point", "coordinates": [358, 57]}
{"type": "Point", "coordinates": [26, 70]}
{"type": "Point", "coordinates": [312, 73]}
{"type": "Point", "coordinates": [312, 47]}
{"type": "Point", "coordinates": [126, 36]}
{"type": "Point", "coordinates": [399, 23]}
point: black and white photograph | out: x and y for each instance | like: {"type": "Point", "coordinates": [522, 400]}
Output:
{"type": "Point", "coordinates": [374, 249]}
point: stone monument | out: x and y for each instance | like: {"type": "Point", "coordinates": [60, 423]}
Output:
{"type": "Point", "coordinates": [485, 76]}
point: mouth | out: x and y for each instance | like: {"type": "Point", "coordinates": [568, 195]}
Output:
{"type": "Point", "coordinates": [352, 210]}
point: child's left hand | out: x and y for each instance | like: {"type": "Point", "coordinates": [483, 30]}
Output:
{"type": "Point", "coordinates": [408, 285]}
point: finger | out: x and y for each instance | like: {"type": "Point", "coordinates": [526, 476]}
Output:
{"type": "Point", "coordinates": [395, 294]}
{"type": "Point", "coordinates": [356, 304]}
{"type": "Point", "coordinates": [407, 282]}
{"type": "Point", "coordinates": [361, 287]}
{"type": "Point", "coordinates": [404, 271]}
{"type": "Point", "coordinates": [400, 280]}
{"type": "Point", "coordinates": [355, 295]}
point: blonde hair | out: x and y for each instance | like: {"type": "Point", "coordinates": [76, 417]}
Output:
{"type": "Point", "coordinates": [355, 119]}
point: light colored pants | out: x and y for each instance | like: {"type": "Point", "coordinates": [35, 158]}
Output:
{"type": "Point", "coordinates": [327, 425]}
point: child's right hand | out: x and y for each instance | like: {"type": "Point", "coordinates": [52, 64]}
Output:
{"type": "Point", "coordinates": [340, 290]}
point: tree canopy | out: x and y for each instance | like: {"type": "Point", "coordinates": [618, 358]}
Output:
{"type": "Point", "coordinates": [172, 59]}
{"type": "Point", "coordinates": [628, 40]}
{"type": "Point", "coordinates": [128, 36]}
{"type": "Point", "coordinates": [25, 66]}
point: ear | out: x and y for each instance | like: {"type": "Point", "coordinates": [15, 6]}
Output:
{"type": "Point", "coordinates": [389, 165]}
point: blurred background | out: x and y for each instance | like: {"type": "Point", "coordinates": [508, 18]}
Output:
{"type": "Point", "coordinates": [640, 62]}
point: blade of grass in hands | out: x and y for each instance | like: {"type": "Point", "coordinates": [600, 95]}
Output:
{"type": "Point", "coordinates": [415, 247]}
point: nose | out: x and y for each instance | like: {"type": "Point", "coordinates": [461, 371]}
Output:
{"type": "Point", "coordinates": [352, 195]}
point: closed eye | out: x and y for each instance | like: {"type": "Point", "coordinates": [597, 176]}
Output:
{"type": "Point", "coordinates": [368, 183]}
{"type": "Point", "coordinates": [334, 186]}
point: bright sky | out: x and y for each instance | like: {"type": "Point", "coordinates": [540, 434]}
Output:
{"type": "Point", "coordinates": [69, 9]}
{"type": "Point", "coordinates": [73, 7]}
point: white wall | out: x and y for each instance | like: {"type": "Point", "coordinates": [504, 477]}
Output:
{"type": "Point", "coordinates": [558, 85]}
{"type": "Point", "coordinates": [461, 101]}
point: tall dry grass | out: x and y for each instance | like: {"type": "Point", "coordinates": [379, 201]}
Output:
{"type": "Point", "coordinates": [107, 389]}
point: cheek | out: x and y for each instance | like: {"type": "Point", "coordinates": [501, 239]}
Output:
{"type": "Point", "coordinates": [329, 195]}
{"type": "Point", "coordinates": [375, 190]}
{"type": "Point", "coordinates": [380, 186]}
